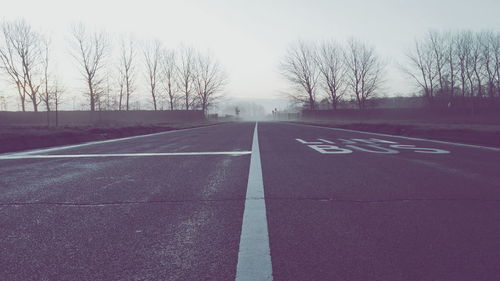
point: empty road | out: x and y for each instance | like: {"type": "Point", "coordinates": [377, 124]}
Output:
{"type": "Point", "coordinates": [247, 201]}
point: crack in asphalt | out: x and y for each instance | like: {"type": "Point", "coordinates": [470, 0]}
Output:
{"type": "Point", "coordinates": [332, 200]}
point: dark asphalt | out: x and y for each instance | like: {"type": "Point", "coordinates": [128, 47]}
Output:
{"type": "Point", "coordinates": [356, 216]}
{"type": "Point", "coordinates": [366, 216]}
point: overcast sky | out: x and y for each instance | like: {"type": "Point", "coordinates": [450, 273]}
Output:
{"type": "Point", "coordinates": [250, 37]}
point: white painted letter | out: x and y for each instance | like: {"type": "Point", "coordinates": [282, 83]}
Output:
{"type": "Point", "coordinates": [308, 142]}
{"type": "Point", "coordinates": [330, 149]}
{"type": "Point", "coordinates": [382, 141]}
{"type": "Point", "coordinates": [326, 141]}
{"type": "Point", "coordinates": [419, 149]}
{"type": "Point", "coordinates": [378, 149]}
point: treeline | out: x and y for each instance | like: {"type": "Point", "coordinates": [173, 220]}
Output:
{"type": "Point", "coordinates": [454, 66]}
{"type": "Point", "coordinates": [111, 69]}
{"type": "Point", "coordinates": [449, 68]}
{"type": "Point", "coordinates": [331, 70]}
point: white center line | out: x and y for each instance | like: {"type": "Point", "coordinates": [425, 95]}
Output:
{"type": "Point", "coordinates": [48, 156]}
{"type": "Point", "coordinates": [254, 256]}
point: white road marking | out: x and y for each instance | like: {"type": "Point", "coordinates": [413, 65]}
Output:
{"type": "Point", "coordinates": [326, 141]}
{"type": "Point", "coordinates": [406, 138]}
{"type": "Point", "coordinates": [377, 149]}
{"type": "Point", "coordinates": [420, 149]}
{"type": "Point", "coordinates": [308, 142]}
{"type": "Point", "coordinates": [329, 149]}
{"type": "Point", "coordinates": [372, 140]}
{"type": "Point", "coordinates": [57, 148]}
{"type": "Point", "coordinates": [254, 256]}
{"type": "Point", "coordinates": [374, 144]}
{"type": "Point", "coordinates": [48, 156]}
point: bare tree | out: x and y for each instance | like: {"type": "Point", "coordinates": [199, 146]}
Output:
{"type": "Point", "coordinates": [57, 92]}
{"type": "Point", "coordinates": [209, 80]}
{"type": "Point", "coordinates": [495, 45]}
{"type": "Point", "coordinates": [121, 93]}
{"type": "Point", "coordinates": [90, 49]}
{"type": "Point", "coordinates": [474, 69]}
{"type": "Point", "coordinates": [169, 77]}
{"type": "Point", "coordinates": [364, 71]}
{"type": "Point", "coordinates": [437, 45]}
{"type": "Point", "coordinates": [107, 98]}
{"type": "Point", "coordinates": [300, 68]}
{"type": "Point", "coordinates": [26, 44]}
{"type": "Point", "coordinates": [10, 63]}
{"type": "Point", "coordinates": [21, 59]}
{"type": "Point", "coordinates": [422, 68]}
{"type": "Point", "coordinates": [127, 70]}
{"type": "Point", "coordinates": [45, 94]}
{"type": "Point", "coordinates": [450, 47]}
{"type": "Point", "coordinates": [463, 52]}
{"type": "Point", "coordinates": [330, 61]}
{"type": "Point", "coordinates": [152, 57]}
{"type": "Point", "coordinates": [185, 72]}
{"type": "Point", "coordinates": [51, 90]}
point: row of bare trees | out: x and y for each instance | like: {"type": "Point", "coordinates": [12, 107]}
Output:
{"type": "Point", "coordinates": [25, 59]}
{"type": "Point", "coordinates": [332, 70]}
{"type": "Point", "coordinates": [185, 78]}
{"type": "Point", "coordinates": [176, 79]}
{"type": "Point", "coordinates": [453, 65]}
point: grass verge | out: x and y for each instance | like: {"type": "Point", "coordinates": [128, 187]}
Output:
{"type": "Point", "coordinates": [19, 138]}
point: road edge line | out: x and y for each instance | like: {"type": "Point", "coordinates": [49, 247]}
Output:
{"type": "Point", "coordinates": [254, 255]}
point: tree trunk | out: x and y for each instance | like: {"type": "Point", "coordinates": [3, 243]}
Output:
{"type": "Point", "coordinates": [120, 100]}
{"type": "Point", "coordinates": [92, 97]}
{"type": "Point", "coordinates": [35, 105]}
{"type": "Point", "coordinates": [154, 100]}
{"type": "Point", "coordinates": [334, 102]}
{"type": "Point", "coordinates": [23, 104]}
{"type": "Point", "coordinates": [57, 112]}
{"type": "Point", "coordinates": [452, 80]}
{"type": "Point", "coordinates": [92, 102]}
{"type": "Point", "coordinates": [479, 84]}
{"type": "Point", "coordinates": [128, 95]}
{"type": "Point", "coordinates": [311, 103]}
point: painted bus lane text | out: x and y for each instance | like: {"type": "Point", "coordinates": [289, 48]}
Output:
{"type": "Point", "coordinates": [371, 145]}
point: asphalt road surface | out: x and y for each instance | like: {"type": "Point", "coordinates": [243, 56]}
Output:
{"type": "Point", "coordinates": [238, 202]}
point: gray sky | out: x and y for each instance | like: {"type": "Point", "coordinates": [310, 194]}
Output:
{"type": "Point", "coordinates": [250, 37]}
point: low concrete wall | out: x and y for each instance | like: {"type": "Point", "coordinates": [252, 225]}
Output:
{"type": "Point", "coordinates": [484, 115]}
{"type": "Point", "coordinates": [75, 118]}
